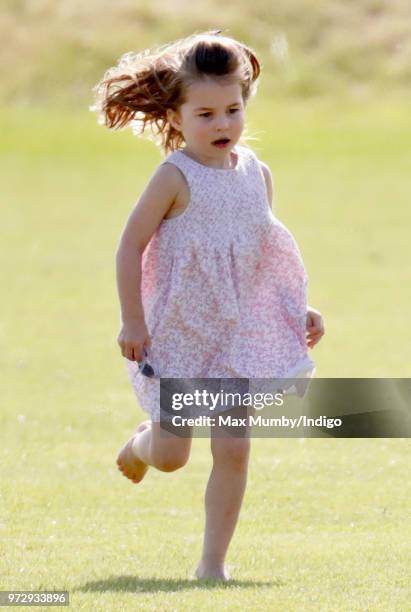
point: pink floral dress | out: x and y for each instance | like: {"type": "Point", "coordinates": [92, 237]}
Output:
{"type": "Point", "coordinates": [223, 285]}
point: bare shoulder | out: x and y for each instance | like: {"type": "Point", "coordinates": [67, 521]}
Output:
{"type": "Point", "coordinates": [164, 187]}
{"type": "Point", "coordinates": [268, 180]}
{"type": "Point", "coordinates": [154, 204]}
{"type": "Point", "coordinates": [168, 177]}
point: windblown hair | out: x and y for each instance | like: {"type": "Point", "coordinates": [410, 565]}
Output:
{"type": "Point", "coordinates": [138, 91]}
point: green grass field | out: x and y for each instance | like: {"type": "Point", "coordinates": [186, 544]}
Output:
{"type": "Point", "coordinates": [307, 47]}
{"type": "Point", "coordinates": [325, 523]}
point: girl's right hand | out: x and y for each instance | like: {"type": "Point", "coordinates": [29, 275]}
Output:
{"type": "Point", "coordinates": [133, 338]}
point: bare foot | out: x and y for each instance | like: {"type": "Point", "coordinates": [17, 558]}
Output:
{"type": "Point", "coordinates": [217, 572]}
{"type": "Point", "coordinates": [131, 466]}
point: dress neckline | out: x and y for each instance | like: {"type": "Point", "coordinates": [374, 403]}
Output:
{"type": "Point", "coordinates": [234, 150]}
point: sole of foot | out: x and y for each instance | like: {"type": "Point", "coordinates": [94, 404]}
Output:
{"type": "Point", "coordinates": [130, 465]}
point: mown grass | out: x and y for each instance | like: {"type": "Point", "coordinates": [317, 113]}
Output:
{"type": "Point", "coordinates": [325, 523]}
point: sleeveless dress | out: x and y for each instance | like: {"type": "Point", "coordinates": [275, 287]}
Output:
{"type": "Point", "coordinates": [223, 285]}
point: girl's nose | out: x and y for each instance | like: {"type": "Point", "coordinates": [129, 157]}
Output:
{"type": "Point", "coordinates": [222, 123]}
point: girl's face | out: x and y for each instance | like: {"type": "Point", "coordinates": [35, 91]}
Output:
{"type": "Point", "coordinates": [213, 110]}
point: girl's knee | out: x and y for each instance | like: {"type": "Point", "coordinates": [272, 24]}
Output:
{"type": "Point", "coordinates": [169, 452]}
{"type": "Point", "coordinates": [170, 462]}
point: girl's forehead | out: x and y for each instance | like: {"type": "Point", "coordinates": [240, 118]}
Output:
{"type": "Point", "coordinates": [210, 92]}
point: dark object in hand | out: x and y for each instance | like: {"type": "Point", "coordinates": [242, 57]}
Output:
{"type": "Point", "coordinates": [145, 368]}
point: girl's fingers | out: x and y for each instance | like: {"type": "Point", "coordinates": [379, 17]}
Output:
{"type": "Point", "coordinates": [132, 353]}
{"type": "Point", "coordinates": [312, 340]}
{"type": "Point", "coordinates": [315, 334]}
{"type": "Point", "coordinates": [138, 355]}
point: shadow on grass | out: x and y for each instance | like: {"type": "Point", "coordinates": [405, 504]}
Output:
{"type": "Point", "coordinates": [136, 584]}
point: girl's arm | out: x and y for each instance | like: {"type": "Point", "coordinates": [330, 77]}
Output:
{"type": "Point", "coordinates": [148, 213]}
{"type": "Point", "coordinates": [143, 221]}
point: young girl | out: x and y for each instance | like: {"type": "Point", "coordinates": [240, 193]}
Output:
{"type": "Point", "coordinates": [211, 284]}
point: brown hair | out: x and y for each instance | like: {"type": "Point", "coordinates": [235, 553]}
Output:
{"type": "Point", "coordinates": [142, 86]}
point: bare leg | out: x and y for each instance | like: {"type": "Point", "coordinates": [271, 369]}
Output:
{"type": "Point", "coordinates": [149, 446]}
{"type": "Point", "coordinates": [223, 499]}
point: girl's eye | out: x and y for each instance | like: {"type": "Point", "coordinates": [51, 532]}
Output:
{"type": "Point", "coordinates": [232, 110]}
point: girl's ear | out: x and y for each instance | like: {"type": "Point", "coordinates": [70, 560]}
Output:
{"type": "Point", "coordinates": [173, 118]}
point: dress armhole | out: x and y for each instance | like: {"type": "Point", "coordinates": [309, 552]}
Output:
{"type": "Point", "coordinates": [261, 173]}
{"type": "Point", "coordinates": [188, 184]}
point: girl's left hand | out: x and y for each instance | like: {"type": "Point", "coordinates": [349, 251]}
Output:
{"type": "Point", "coordinates": [315, 326]}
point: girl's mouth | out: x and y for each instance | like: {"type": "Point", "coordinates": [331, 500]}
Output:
{"type": "Point", "coordinates": [221, 142]}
